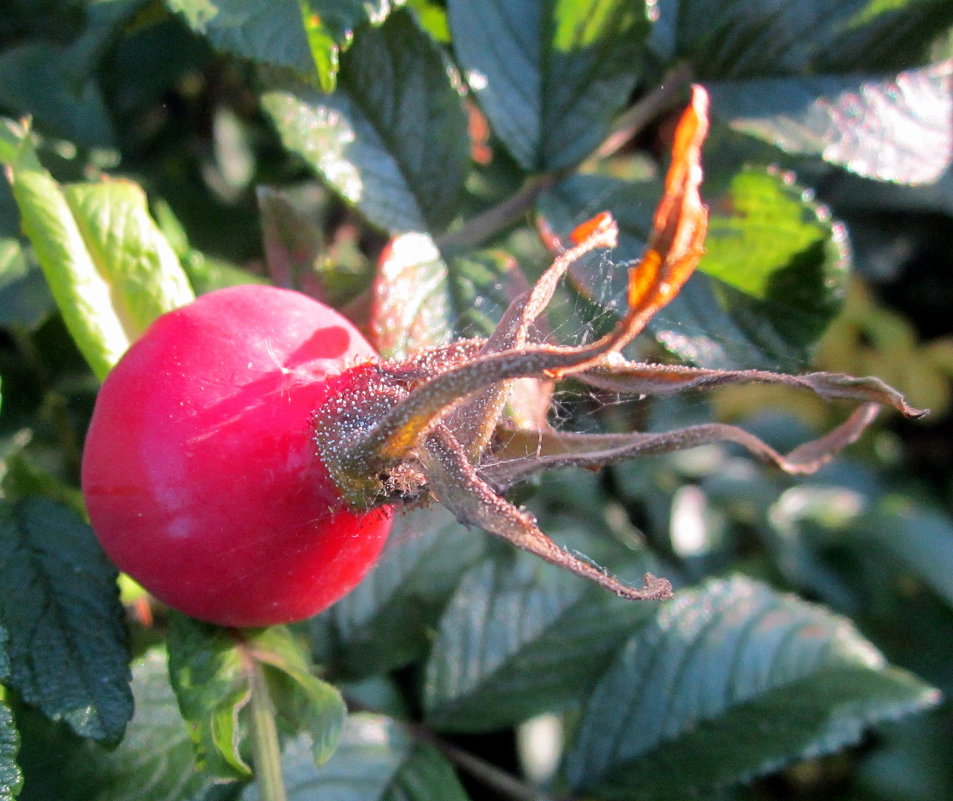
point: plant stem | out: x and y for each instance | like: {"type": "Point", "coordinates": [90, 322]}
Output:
{"type": "Point", "coordinates": [499, 217]}
{"type": "Point", "coordinates": [487, 773]}
{"type": "Point", "coordinates": [266, 751]}
{"type": "Point", "coordinates": [630, 123]}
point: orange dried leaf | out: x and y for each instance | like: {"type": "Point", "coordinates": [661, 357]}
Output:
{"type": "Point", "coordinates": [585, 230]}
{"type": "Point", "coordinates": [681, 220]}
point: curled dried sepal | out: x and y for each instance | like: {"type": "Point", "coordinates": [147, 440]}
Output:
{"type": "Point", "coordinates": [433, 425]}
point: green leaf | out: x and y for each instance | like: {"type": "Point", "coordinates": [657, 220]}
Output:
{"type": "Point", "coordinates": [906, 135]}
{"type": "Point", "coordinates": [38, 79]}
{"type": "Point", "coordinates": [25, 299]}
{"type": "Point", "coordinates": [154, 761]}
{"type": "Point", "coordinates": [302, 698]}
{"type": "Point", "coordinates": [11, 778]}
{"type": "Point", "coordinates": [885, 35]}
{"type": "Point", "coordinates": [212, 671]}
{"type": "Point", "coordinates": [110, 269]}
{"type": "Point", "coordinates": [104, 18]}
{"type": "Point", "coordinates": [306, 35]}
{"type": "Point", "coordinates": [919, 537]}
{"type": "Point", "coordinates": [60, 605]}
{"type": "Point", "coordinates": [728, 682]}
{"type": "Point", "coordinates": [392, 138]}
{"type": "Point", "coordinates": [549, 75]}
{"type": "Point", "coordinates": [211, 681]}
{"type": "Point", "coordinates": [730, 39]}
{"type": "Point", "coordinates": [376, 761]}
{"type": "Point", "coordinates": [520, 637]}
{"type": "Point", "coordinates": [266, 31]}
{"type": "Point", "coordinates": [4, 658]}
{"type": "Point", "coordinates": [777, 267]}
{"type": "Point", "coordinates": [387, 620]}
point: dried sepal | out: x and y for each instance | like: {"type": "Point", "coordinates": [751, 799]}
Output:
{"type": "Point", "coordinates": [457, 484]}
{"type": "Point", "coordinates": [525, 453]}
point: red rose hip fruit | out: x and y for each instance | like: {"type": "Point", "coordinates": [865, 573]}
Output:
{"type": "Point", "coordinates": [200, 474]}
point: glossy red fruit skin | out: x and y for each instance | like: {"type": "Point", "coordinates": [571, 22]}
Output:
{"type": "Point", "coordinates": [200, 474]}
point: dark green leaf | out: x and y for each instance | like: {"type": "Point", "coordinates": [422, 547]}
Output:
{"type": "Point", "coordinates": [266, 31]}
{"type": "Point", "coordinates": [728, 682]}
{"type": "Point", "coordinates": [776, 260]}
{"type": "Point", "coordinates": [212, 684]}
{"type": "Point", "coordinates": [60, 605]}
{"type": "Point", "coordinates": [742, 39]}
{"type": "Point", "coordinates": [920, 538]}
{"type": "Point", "coordinates": [4, 658]}
{"type": "Point", "coordinates": [906, 133]}
{"type": "Point", "coordinates": [482, 284]}
{"type": "Point", "coordinates": [293, 239]}
{"type": "Point", "coordinates": [24, 297]}
{"type": "Point", "coordinates": [387, 620]}
{"type": "Point", "coordinates": [11, 779]}
{"type": "Point", "coordinates": [392, 138]}
{"type": "Point", "coordinates": [306, 35]}
{"type": "Point", "coordinates": [110, 269]}
{"type": "Point", "coordinates": [549, 75]}
{"type": "Point", "coordinates": [376, 761]}
{"type": "Point", "coordinates": [886, 36]}
{"type": "Point", "coordinates": [518, 638]}
{"type": "Point", "coordinates": [154, 761]}
{"type": "Point", "coordinates": [103, 19]}
{"type": "Point", "coordinates": [37, 78]}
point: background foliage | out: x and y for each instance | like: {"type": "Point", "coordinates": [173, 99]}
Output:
{"type": "Point", "coordinates": [155, 150]}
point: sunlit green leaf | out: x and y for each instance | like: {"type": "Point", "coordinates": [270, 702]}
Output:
{"type": "Point", "coordinates": [889, 129]}
{"type": "Point", "coordinates": [304, 700]}
{"type": "Point", "coordinates": [550, 76]}
{"type": "Point", "coordinates": [60, 605]}
{"type": "Point", "coordinates": [212, 685]}
{"type": "Point", "coordinates": [110, 269]}
{"type": "Point", "coordinates": [214, 671]}
{"type": "Point", "coordinates": [728, 682]}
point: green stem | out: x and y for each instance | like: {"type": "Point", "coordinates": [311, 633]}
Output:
{"type": "Point", "coordinates": [266, 751]}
